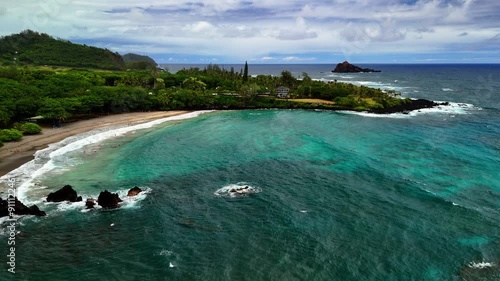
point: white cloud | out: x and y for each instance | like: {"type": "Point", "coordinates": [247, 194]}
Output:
{"type": "Point", "coordinates": [202, 27]}
{"type": "Point", "coordinates": [265, 29]}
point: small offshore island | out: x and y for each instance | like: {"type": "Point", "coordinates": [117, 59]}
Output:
{"type": "Point", "coordinates": [346, 67]}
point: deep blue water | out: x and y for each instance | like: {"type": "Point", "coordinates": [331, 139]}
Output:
{"type": "Point", "coordinates": [333, 195]}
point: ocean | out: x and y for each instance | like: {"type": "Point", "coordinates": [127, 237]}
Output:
{"type": "Point", "coordinates": [280, 194]}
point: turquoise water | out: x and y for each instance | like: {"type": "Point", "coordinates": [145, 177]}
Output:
{"type": "Point", "coordinates": [342, 197]}
{"type": "Point", "coordinates": [332, 196]}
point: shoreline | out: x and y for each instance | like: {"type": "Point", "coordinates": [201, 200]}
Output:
{"type": "Point", "coordinates": [15, 154]}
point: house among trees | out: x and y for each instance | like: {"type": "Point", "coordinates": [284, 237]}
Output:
{"type": "Point", "coordinates": [282, 92]}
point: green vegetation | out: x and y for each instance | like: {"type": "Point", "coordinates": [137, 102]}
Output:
{"type": "Point", "coordinates": [7, 135]}
{"type": "Point", "coordinates": [59, 80]}
{"type": "Point", "coordinates": [28, 128]}
{"type": "Point", "coordinates": [64, 94]}
{"type": "Point", "coordinates": [33, 48]}
{"type": "Point", "coordinates": [139, 62]}
{"type": "Point", "coordinates": [245, 73]}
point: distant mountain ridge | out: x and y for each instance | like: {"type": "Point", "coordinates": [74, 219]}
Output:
{"type": "Point", "coordinates": [33, 48]}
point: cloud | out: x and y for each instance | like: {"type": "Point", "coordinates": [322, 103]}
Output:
{"type": "Point", "coordinates": [201, 27]}
{"type": "Point", "coordinates": [295, 35]}
{"type": "Point", "coordinates": [297, 59]}
{"type": "Point", "coordinates": [298, 32]}
{"type": "Point", "coordinates": [235, 30]}
{"type": "Point", "coordinates": [424, 30]}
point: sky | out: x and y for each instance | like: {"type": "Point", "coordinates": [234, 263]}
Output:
{"type": "Point", "coordinates": [271, 31]}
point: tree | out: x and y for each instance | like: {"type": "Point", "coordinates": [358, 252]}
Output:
{"type": "Point", "coordinates": [245, 73]}
{"type": "Point", "coordinates": [306, 82]}
{"type": "Point", "coordinates": [10, 135]}
{"type": "Point", "coordinates": [193, 83]}
{"type": "Point", "coordinates": [287, 79]}
{"type": "Point", "coordinates": [28, 128]}
{"type": "Point", "coordinates": [53, 109]}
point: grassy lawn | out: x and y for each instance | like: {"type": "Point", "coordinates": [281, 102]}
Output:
{"type": "Point", "coordinates": [319, 101]}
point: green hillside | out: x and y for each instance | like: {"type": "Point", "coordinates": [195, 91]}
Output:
{"type": "Point", "coordinates": [134, 61]}
{"type": "Point", "coordinates": [33, 48]}
{"type": "Point", "coordinates": [136, 58]}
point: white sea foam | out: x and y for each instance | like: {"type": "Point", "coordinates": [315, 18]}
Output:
{"type": "Point", "coordinates": [341, 76]}
{"type": "Point", "coordinates": [128, 202]}
{"type": "Point", "coordinates": [381, 85]}
{"type": "Point", "coordinates": [447, 90]}
{"type": "Point", "coordinates": [165, 252]}
{"type": "Point", "coordinates": [375, 115]}
{"type": "Point", "coordinates": [70, 206]}
{"type": "Point", "coordinates": [241, 189]}
{"type": "Point", "coordinates": [371, 83]}
{"type": "Point", "coordinates": [55, 155]}
{"type": "Point", "coordinates": [451, 109]}
{"type": "Point", "coordinates": [481, 265]}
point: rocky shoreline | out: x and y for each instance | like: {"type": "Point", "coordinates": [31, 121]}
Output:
{"type": "Point", "coordinates": [107, 200]}
{"type": "Point", "coordinates": [408, 106]}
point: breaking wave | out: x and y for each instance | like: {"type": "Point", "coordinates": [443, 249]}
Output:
{"type": "Point", "coordinates": [55, 155]}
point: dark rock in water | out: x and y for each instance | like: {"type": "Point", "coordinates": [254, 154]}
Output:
{"type": "Point", "coordinates": [134, 191]}
{"type": "Point", "coordinates": [67, 193]}
{"type": "Point", "coordinates": [408, 106]}
{"type": "Point", "coordinates": [346, 67]}
{"type": "Point", "coordinates": [19, 208]}
{"type": "Point", "coordinates": [90, 203]}
{"type": "Point", "coordinates": [35, 211]}
{"type": "Point", "coordinates": [480, 272]}
{"type": "Point", "coordinates": [108, 200]}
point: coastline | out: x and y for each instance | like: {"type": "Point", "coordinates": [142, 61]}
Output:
{"type": "Point", "coordinates": [15, 154]}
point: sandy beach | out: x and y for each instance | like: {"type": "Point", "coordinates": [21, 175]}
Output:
{"type": "Point", "coordinates": [15, 154]}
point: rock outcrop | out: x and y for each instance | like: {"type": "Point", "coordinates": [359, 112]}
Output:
{"type": "Point", "coordinates": [134, 191]}
{"type": "Point", "coordinates": [108, 200]}
{"type": "Point", "coordinates": [408, 106]}
{"type": "Point", "coordinates": [90, 203]}
{"type": "Point", "coordinates": [480, 271]}
{"type": "Point", "coordinates": [346, 67]}
{"type": "Point", "coordinates": [19, 208]}
{"type": "Point", "coordinates": [67, 193]}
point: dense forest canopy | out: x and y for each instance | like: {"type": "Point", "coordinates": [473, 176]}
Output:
{"type": "Point", "coordinates": [33, 48]}
{"type": "Point", "coordinates": [60, 94]}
